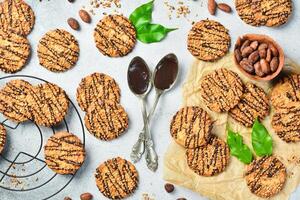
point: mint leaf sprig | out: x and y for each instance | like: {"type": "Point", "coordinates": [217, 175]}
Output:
{"type": "Point", "coordinates": [147, 32]}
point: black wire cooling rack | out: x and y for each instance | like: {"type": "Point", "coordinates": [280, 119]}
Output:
{"type": "Point", "coordinates": [30, 178]}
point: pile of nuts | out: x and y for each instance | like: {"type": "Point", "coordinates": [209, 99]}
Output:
{"type": "Point", "coordinates": [257, 58]}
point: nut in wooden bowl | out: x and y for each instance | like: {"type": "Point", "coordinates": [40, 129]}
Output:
{"type": "Point", "coordinates": [258, 56]}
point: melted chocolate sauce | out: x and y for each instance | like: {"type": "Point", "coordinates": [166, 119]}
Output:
{"type": "Point", "coordinates": [138, 75]}
{"type": "Point", "coordinates": [166, 72]}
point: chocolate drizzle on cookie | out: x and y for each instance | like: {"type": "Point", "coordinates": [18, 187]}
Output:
{"type": "Point", "coordinates": [48, 103]}
{"type": "Point", "coordinates": [253, 104]}
{"type": "Point", "coordinates": [116, 178]}
{"type": "Point", "coordinates": [115, 36]}
{"type": "Point", "coordinates": [97, 86]}
{"type": "Point", "coordinates": [58, 50]}
{"type": "Point", "coordinates": [106, 120]}
{"type": "Point", "coordinates": [16, 16]}
{"type": "Point", "coordinates": [265, 176]}
{"type": "Point", "coordinates": [210, 159]}
{"type": "Point", "coordinates": [221, 90]}
{"type": "Point", "coordinates": [191, 127]}
{"type": "Point", "coordinates": [14, 52]}
{"type": "Point", "coordinates": [208, 40]}
{"type": "Point", "coordinates": [64, 153]}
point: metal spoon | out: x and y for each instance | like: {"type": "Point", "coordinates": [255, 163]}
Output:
{"type": "Point", "coordinates": [165, 76]}
{"type": "Point", "coordinates": [138, 77]}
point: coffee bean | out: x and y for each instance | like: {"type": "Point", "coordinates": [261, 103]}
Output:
{"type": "Point", "coordinates": [212, 6]}
{"type": "Point", "coordinates": [254, 45]}
{"type": "Point", "coordinates": [181, 199]}
{"type": "Point", "coordinates": [273, 50]}
{"type": "Point", "coordinates": [245, 44]}
{"type": "Point", "coordinates": [85, 16]}
{"type": "Point", "coordinates": [262, 53]}
{"type": "Point", "coordinates": [73, 23]}
{"type": "Point", "coordinates": [254, 56]}
{"type": "Point", "coordinates": [258, 70]}
{"type": "Point", "coordinates": [247, 66]}
{"type": "Point", "coordinates": [86, 196]}
{"type": "Point", "coordinates": [262, 46]}
{"type": "Point", "coordinates": [274, 64]}
{"type": "Point", "coordinates": [224, 7]}
{"type": "Point", "coordinates": [169, 187]}
{"type": "Point", "coordinates": [238, 43]}
{"type": "Point", "coordinates": [269, 55]}
{"type": "Point", "coordinates": [247, 51]}
{"type": "Point", "coordinates": [238, 55]}
{"type": "Point", "coordinates": [71, 1]}
{"type": "Point", "coordinates": [265, 66]}
{"type": "Point", "coordinates": [67, 198]}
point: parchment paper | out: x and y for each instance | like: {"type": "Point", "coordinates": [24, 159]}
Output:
{"type": "Point", "coordinates": [230, 184]}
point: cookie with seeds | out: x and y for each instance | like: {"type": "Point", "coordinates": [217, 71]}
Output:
{"type": "Point", "coordinates": [264, 12]}
{"type": "Point", "coordinates": [208, 40]}
{"type": "Point", "coordinates": [97, 86]}
{"type": "Point", "coordinates": [16, 16]}
{"type": "Point", "coordinates": [2, 137]}
{"type": "Point", "coordinates": [58, 50]}
{"type": "Point", "coordinates": [265, 177]}
{"type": "Point", "coordinates": [13, 104]}
{"type": "Point", "coordinates": [48, 104]}
{"type": "Point", "coordinates": [106, 120]}
{"type": "Point", "coordinates": [115, 36]}
{"type": "Point", "coordinates": [221, 90]}
{"type": "Point", "coordinates": [286, 91]}
{"type": "Point", "coordinates": [14, 52]}
{"type": "Point", "coordinates": [64, 153]}
{"type": "Point", "coordinates": [191, 127]}
{"type": "Point", "coordinates": [210, 159]}
{"type": "Point", "coordinates": [253, 104]}
{"type": "Point", "coordinates": [286, 122]}
{"type": "Point", "coordinates": [116, 178]}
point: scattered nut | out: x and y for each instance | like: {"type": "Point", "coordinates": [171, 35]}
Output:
{"type": "Point", "coordinates": [73, 23]}
{"type": "Point", "coordinates": [85, 16]}
{"type": "Point", "coordinates": [212, 6]}
{"type": "Point", "coordinates": [169, 187]}
{"type": "Point", "coordinates": [86, 196]}
{"type": "Point", "coordinates": [181, 199]}
{"type": "Point", "coordinates": [224, 7]}
{"type": "Point", "coordinates": [67, 198]}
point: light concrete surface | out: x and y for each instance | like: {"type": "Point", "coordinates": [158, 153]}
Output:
{"type": "Point", "coordinates": [53, 14]}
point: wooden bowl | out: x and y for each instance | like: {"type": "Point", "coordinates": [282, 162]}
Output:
{"type": "Point", "coordinates": [262, 39]}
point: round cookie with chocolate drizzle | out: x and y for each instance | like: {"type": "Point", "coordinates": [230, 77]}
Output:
{"type": "Point", "coordinates": [286, 122]}
{"type": "Point", "coordinates": [265, 176]}
{"type": "Point", "coordinates": [208, 40]}
{"type": "Point", "coordinates": [286, 92]}
{"type": "Point", "coordinates": [106, 120]}
{"type": "Point", "coordinates": [16, 16]}
{"type": "Point", "coordinates": [191, 127]}
{"type": "Point", "coordinates": [2, 137]}
{"type": "Point", "coordinates": [221, 90]}
{"type": "Point", "coordinates": [115, 36]}
{"type": "Point", "coordinates": [58, 50]}
{"type": "Point", "coordinates": [64, 153]}
{"type": "Point", "coordinates": [249, 11]}
{"type": "Point", "coordinates": [48, 104]}
{"type": "Point", "coordinates": [97, 86]}
{"type": "Point", "coordinates": [116, 178]}
{"type": "Point", "coordinates": [253, 104]}
{"type": "Point", "coordinates": [13, 104]}
{"type": "Point", "coordinates": [14, 52]}
{"type": "Point", "coordinates": [210, 159]}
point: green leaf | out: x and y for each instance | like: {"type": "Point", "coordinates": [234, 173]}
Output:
{"type": "Point", "coordinates": [261, 140]}
{"type": "Point", "coordinates": [238, 148]}
{"type": "Point", "coordinates": [142, 15]}
{"type": "Point", "coordinates": [149, 33]}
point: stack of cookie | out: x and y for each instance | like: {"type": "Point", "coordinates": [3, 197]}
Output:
{"type": "Point", "coordinates": [285, 98]}
{"type": "Point", "coordinates": [207, 155]}
{"type": "Point", "coordinates": [99, 96]}
{"type": "Point", "coordinates": [45, 104]}
{"type": "Point", "coordinates": [16, 22]}
{"type": "Point", "coordinates": [223, 91]}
